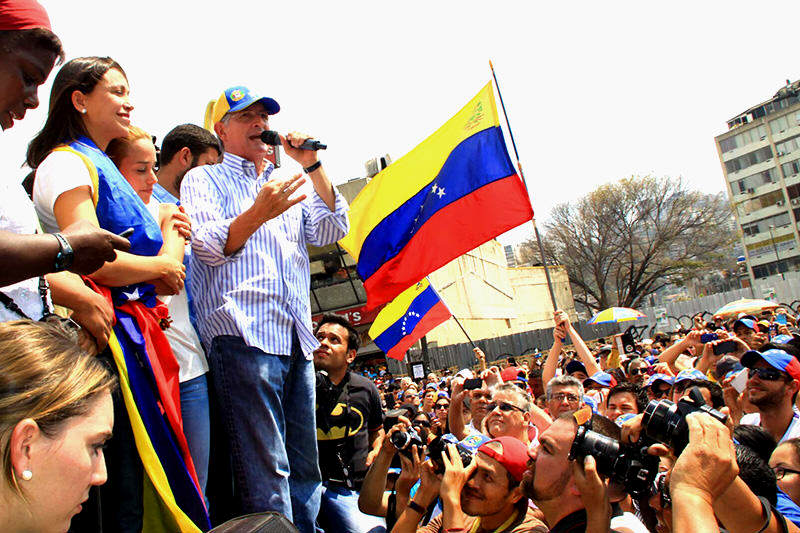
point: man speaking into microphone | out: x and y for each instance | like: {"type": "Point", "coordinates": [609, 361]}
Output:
{"type": "Point", "coordinates": [251, 285]}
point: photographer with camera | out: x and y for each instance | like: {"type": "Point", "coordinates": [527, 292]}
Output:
{"type": "Point", "coordinates": [569, 493]}
{"type": "Point", "coordinates": [349, 427]}
{"type": "Point", "coordinates": [484, 495]}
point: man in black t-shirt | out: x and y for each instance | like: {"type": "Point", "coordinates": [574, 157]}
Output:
{"type": "Point", "coordinates": [349, 428]}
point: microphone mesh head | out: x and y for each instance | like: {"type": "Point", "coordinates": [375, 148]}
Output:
{"type": "Point", "coordinates": [270, 137]}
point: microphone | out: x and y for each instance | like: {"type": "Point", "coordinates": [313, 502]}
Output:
{"type": "Point", "coordinates": [271, 137]}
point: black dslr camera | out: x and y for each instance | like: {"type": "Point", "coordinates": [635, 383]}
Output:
{"type": "Point", "coordinates": [438, 445]}
{"type": "Point", "coordinates": [665, 421]}
{"type": "Point", "coordinates": [404, 440]}
{"type": "Point", "coordinates": [627, 464]}
{"type": "Point", "coordinates": [630, 464]}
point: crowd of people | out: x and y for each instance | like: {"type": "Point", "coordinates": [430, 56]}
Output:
{"type": "Point", "coordinates": [159, 370]}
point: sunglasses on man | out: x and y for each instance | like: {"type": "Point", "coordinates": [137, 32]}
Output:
{"type": "Point", "coordinates": [766, 374]}
{"type": "Point", "coordinates": [504, 407]}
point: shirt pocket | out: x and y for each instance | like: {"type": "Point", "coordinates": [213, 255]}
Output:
{"type": "Point", "coordinates": [292, 224]}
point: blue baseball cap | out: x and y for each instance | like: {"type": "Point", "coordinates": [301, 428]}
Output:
{"type": "Point", "coordinates": [782, 339]}
{"type": "Point", "coordinates": [746, 322]}
{"type": "Point", "coordinates": [689, 374]}
{"type": "Point", "coordinates": [659, 377]}
{"type": "Point", "coordinates": [575, 366]}
{"type": "Point", "coordinates": [776, 359]}
{"type": "Point", "coordinates": [601, 378]}
{"type": "Point", "coordinates": [237, 98]}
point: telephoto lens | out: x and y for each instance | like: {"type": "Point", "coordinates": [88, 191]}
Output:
{"type": "Point", "coordinates": [665, 421]}
{"type": "Point", "coordinates": [629, 465]}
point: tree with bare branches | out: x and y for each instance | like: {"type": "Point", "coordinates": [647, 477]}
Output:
{"type": "Point", "coordinates": [626, 240]}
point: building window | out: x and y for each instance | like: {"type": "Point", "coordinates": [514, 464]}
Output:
{"type": "Point", "coordinates": [792, 168]}
{"type": "Point", "coordinates": [760, 202]}
{"type": "Point", "coordinates": [747, 160]}
{"type": "Point", "coordinates": [779, 125]}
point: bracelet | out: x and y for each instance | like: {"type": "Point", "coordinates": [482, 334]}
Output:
{"type": "Point", "coordinates": [454, 529]}
{"type": "Point", "coordinates": [311, 168]}
{"type": "Point", "coordinates": [766, 507]}
{"type": "Point", "coordinates": [414, 506]}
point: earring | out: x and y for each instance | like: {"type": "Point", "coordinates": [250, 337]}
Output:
{"type": "Point", "coordinates": [83, 111]}
{"type": "Point", "coordinates": [27, 475]}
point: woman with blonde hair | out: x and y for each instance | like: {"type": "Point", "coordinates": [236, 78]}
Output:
{"type": "Point", "coordinates": [55, 416]}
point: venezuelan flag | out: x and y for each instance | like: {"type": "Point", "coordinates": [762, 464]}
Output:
{"type": "Point", "coordinates": [453, 192]}
{"type": "Point", "coordinates": [405, 320]}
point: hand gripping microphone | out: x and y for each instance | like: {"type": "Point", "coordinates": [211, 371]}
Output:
{"type": "Point", "coordinates": [271, 137]}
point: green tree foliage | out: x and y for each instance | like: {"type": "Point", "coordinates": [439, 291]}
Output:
{"type": "Point", "coordinates": [626, 240]}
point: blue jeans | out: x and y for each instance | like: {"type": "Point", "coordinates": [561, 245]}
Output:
{"type": "Point", "coordinates": [267, 406]}
{"type": "Point", "coordinates": [339, 512]}
{"type": "Point", "coordinates": [197, 425]}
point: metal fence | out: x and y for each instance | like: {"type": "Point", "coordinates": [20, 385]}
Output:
{"type": "Point", "coordinates": [785, 291]}
{"type": "Point", "coordinates": [461, 355]}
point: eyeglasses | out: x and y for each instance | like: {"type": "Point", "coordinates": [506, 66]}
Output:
{"type": "Point", "coordinates": [661, 488]}
{"type": "Point", "coordinates": [781, 471]}
{"type": "Point", "coordinates": [767, 374]}
{"type": "Point", "coordinates": [442, 406]}
{"type": "Point", "coordinates": [659, 393]}
{"type": "Point", "coordinates": [637, 371]}
{"type": "Point", "coordinates": [423, 423]}
{"type": "Point", "coordinates": [561, 396]}
{"type": "Point", "coordinates": [504, 406]}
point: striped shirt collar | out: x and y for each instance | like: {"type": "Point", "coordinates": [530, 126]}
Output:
{"type": "Point", "coordinates": [244, 167]}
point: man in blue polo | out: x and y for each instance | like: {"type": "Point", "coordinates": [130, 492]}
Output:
{"type": "Point", "coordinates": [251, 285]}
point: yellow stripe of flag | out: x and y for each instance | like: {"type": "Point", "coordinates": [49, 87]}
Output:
{"type": "Point", "coordinates": [395, 309]}
{"type": "Point", "coordinates": [405, 177]}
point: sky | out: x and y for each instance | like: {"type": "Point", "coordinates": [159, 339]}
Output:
{"type": "Point", "coordinates": [595, 91]}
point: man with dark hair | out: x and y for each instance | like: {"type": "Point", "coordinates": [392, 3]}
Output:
{"type": "Point", "coordinates": [349, 427]}
{"type": "Point", "coordinates": [772, 385]}
{"type": "Point", "coordinates": [550, 479]}
{"type": "Point", "coordinates": [483, 496]}
{"type": "Point", "coordinates": [625, 398]}
{"type": "Point", "coordinates": [185, 147]}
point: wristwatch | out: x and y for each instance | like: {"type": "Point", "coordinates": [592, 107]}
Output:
{"type": "Point", "coordinates": [65, 255]}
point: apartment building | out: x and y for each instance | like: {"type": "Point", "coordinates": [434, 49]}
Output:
{"type": "Point", "coordinates": [760, 156]}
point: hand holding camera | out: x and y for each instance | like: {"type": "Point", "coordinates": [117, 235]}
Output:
{"type": "Point", "coordinates": [707, 465]}
{"type": "Point", "coordinates": [634, 462]}
{"type": "Point", "coordinates": [456, 474]}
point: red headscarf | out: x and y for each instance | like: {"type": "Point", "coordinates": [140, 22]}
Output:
{"type": "Point", "coordinates": [23, 15]}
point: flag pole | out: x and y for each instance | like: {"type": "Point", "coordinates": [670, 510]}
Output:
{"type": "Point", "coordinates": [525, 183]}
{"type": "Point", "coordinates": [451, 312]}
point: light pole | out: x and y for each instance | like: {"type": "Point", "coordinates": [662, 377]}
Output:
{"type": "Point", "coordinates": [775, 248]}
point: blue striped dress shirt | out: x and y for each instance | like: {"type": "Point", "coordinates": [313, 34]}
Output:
{"type": "Point", "coordinates": [261, 292]}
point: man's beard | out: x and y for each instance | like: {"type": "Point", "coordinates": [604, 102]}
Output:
{"type": "Point", "coordinates": [545, 494]}
{"type": "Point", "coordinates": [769, 399]}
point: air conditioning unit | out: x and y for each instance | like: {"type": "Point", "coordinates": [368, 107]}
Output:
{"type": "Point", "coordinates": [751, 191]}
{"type": "Point", "coordinates": [779, 203]}
{"type": "Point", "coordinates": [795, 201]}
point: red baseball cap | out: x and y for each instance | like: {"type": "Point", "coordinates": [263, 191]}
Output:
{"type": "Point", "coordinates": [23, 15]}
{"type": "Point", "coordinates": [513, 457]}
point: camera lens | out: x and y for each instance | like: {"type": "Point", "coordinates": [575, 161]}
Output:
{"type": "Point", "coordinates": [605, 450]}
{"type": "Point", "coordinates": [400, 439]}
